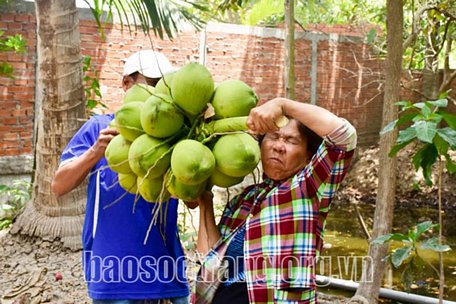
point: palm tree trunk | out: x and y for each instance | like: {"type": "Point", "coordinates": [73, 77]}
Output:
{"type": "Point", "coordinates": [373, 274]}
{"type": "Point", "coordinates": [59, 112]}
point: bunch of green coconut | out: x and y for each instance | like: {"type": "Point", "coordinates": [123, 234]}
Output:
{"type": "Point", "coordinates": [183, 136]}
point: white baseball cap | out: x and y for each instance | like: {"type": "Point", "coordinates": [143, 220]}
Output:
{"type": "Point", "coordinates": [148, 63]}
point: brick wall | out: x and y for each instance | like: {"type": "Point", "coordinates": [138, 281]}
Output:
{"type": "Point", "coordinates": [17, 95]}
{"type": "Point", "coordinates": [334, 71]}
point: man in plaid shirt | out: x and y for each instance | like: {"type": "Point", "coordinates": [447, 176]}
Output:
{"type": "Point", "coordinates": [270, 234]}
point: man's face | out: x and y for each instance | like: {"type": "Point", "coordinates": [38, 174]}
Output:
{"type": "Point", "coordinates": [284, 152]}
{"type": "Point", "coordinates": [130, 80]}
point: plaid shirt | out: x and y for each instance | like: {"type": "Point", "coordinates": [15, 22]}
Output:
{"type": "Point", "coordinates": [285, 222]}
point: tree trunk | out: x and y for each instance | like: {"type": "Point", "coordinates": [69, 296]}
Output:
{"type": "Point", "coordinates": [373, 274]}
{"type": "Point", "coordinates": [59, 111]}
{"type": "Point", "coordinates": [289, 50]}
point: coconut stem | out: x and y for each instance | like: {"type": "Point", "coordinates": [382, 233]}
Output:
{"type": "Point", "coordinates": [207, 131]}
{"type": "Point", "coordinates": [231, 124]}
{"type": "Point", "coordinates": [195, 124]}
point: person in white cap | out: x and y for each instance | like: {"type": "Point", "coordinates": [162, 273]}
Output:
{"type": "Point", "coordinates": [145, 66]}
{"type": "Point", "coordinates": [118, 267]}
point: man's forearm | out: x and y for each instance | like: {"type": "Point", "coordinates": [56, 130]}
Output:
{"type": "Point", "coordinates": [72, 174]}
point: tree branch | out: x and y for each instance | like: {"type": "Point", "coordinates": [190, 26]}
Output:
{"type": "Point", "coordinates": [415, 26]}
{"type": "Point", "coordinates": [448, 77]}
{"type": "Point", "coordinates": [444, 38]}
{"type": "Point", "coordinates": [447, 82]}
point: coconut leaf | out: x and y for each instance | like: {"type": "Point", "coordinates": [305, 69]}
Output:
{"type": "Point", "coordinates": [162, 16]}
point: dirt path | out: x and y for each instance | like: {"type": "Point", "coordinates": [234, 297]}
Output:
{"type": "Point", "coordinates": [29, 267]}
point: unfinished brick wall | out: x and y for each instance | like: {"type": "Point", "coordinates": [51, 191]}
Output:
{"type": "Point", "coordinates": [334, 71]}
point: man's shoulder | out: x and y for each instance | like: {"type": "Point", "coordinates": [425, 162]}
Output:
{"type": "Point", "coordinates": [101, 118]}
{"type": "Point", "coordinates": [98, 121]}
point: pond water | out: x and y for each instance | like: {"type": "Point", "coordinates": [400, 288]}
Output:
{"type": "Point", "coordinates": [346, 248]}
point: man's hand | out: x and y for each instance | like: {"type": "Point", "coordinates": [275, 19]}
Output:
{"type": "Point", "coordinates": [104, 138]}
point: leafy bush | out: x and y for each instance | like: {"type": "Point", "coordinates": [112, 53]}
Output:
{"type": "Point", "coordinates": [12, 201]}
{"type": "Point", "coordinates": [10, 43]}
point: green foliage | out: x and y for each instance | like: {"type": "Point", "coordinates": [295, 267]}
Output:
{"type": "Point", "coordinates": [162, 16]}
{"type": "Point", "coordinates": [266, 12]}
{"type": "Point", "coordinates": [12, 201]}
{"type": "Point", "coordinates": [418, 237]}
{"type": "Point", "coordinates": [7, 44]}
{"type": "Point", "coordinates": [187, 232]}
{"type": "Point", "coordinates": [271, 12]}
{"type": "Point", "coordinates": [431, 19]}
{"type": "Point", "coordinates": [427, 128]}
{"type": "Point", "coordinates": [92, 85]}
{"type": "Point", "coordinates": [435, 25]}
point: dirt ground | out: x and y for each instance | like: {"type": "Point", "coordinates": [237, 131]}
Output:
{"type": "Point", "coordinates": [39, 271]}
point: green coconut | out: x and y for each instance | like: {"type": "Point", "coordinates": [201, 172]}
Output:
{"type": "Point", "coordinates": [128, 182]}
{"type": "Point", "coordinates": [236, 155]}
{"type": "Point", "coordinates": [149, 155]}
{"type": "Point", "coordinates": [233, 98]}
{"type": "Point", "coordinates": [138, 92]}
{"type": "Point", "coordinates": [222, 180]}
{"type": "Point", "coordinates": [183, 191]}
{"type": "Point", "coordinates": [192, 88]}
{"type": "Point", "coordinates": [160, 117]}
{"type": "Point", "coordinates": [128, 120]}
{"type": "Point", "coordinates": [151, 189]}
{"type": "Point", "coordinates": [163, 86]}
{"type": "Point", "coordinates": [192, 162]}
{"type": "Point", "coordinates": [117, 154]}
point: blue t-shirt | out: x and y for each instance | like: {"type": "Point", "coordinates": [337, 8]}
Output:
{"type": "Point", "coordinates": [117, 263]}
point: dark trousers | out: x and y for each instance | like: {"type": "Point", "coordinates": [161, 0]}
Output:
{"type": "Point", "coordinates": [235, 293]}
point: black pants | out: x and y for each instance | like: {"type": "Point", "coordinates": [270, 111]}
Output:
{"type": "Point", "coordinates": [234, 293]}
